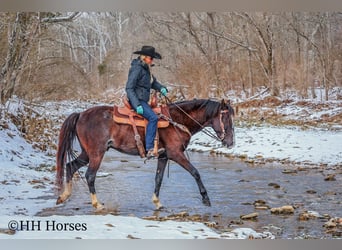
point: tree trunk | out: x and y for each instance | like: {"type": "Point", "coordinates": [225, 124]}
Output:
{"type": "Point", "coordinates": [20, 34]}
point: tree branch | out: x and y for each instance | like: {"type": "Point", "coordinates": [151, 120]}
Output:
{"type": "Point", "coordinates": [60, 19]}
{"type": "Point", "coordinates": [230, 40]}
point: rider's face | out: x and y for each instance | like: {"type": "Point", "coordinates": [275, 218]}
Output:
{"type": "Point", "coordinates": [148, 60]}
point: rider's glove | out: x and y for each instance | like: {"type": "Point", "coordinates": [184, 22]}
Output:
{"type": "Point", "coordinates": [140, 110]}
{"type": "Point", "coordinates": [163, 91]}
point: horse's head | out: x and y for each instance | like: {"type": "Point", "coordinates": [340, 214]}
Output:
{"type": "Point", "coordinates": [223, 124]}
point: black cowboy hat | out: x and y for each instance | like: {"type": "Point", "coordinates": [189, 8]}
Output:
{"type": "Point", "coordinates": [148, 51]}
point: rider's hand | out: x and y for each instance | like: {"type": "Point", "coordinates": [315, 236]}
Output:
{"type": "Point", "coordinates": [163, 91]}
{"type": "Point", "coordinates": [140, 110]}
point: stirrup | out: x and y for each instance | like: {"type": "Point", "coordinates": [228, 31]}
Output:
{"type": "Point", "coordinates": [150, 154]}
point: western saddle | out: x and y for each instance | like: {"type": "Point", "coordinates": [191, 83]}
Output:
{"type": "Point", "coordinates": [126, 115]}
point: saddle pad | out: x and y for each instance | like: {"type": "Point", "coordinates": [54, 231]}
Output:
{"type": "Point", "coordinates": [121, 116]}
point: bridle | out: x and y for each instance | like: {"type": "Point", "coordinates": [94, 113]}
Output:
{"type": "Point", "coordinates": [223, 131]}
{"type": "Point", "coordinates": [204, 130]}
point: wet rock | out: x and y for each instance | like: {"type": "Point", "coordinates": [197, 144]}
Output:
{"type": "Point", "coordinates": [260, 205]}
{"type": "Point", "coordinates": [250, 161]}
{"type": "Point", "coordinates": [252, 216]}
{"type": "Point", "coordinates": [275, 185]}
{"type": "Point", "coordinates": [337, 234]}
{"type": "Point", "coordinates": [283, 210]}
{"type": "Point", "coordinates": [229, 155]}
{"type": "Point", "coordinates": [236, 222]}
{"type": "Point", "coordinates": [334, 226]}
{"type": "Point", "coordinates": [211, 224]}
{"type": "Point", "coordinates": [181, 214]}
{"type": "Point", "coordinates": [307, 215]}
{"type": "Point", "coordinates": [152, 217]}
{"type": "Point", "coordinates": [330, 193]}
{"type": "Point", "coordinates": [330, 177]}
{"type": "Point", "coordinates": [326, 216]}
{"type": "Point", "coordinates": [339, 221]}
{"type": "Point", "coordinates": [195, 217]}
{"type": "Point", "coordinates": [289, 171]}
{"type": "Point", "coordinates": [243, 156]}
{"type": "Point", "coordinates": [332, 223]}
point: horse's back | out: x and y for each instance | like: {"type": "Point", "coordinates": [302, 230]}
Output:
{"type": "Point", "coordinates": [95, 123]}
{"type": "Point", "coordinates": [96, 114]}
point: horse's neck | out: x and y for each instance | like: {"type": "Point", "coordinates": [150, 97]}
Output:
{"type": "Point", "coordinates": [201, 123]}
{"type": "Point", "coordinates": [195, 121]}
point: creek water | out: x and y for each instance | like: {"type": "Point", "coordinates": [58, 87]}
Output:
{"type": "Point", "coordinates": [125, 185]}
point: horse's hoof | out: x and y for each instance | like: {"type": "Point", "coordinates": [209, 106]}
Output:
{"type": "Point", "coordinates": [99, 207]}
{"type": "Point", "coordinates": [206, 202]}
{"type": "Point", "coordinates": [160, 208]}
{"type": "Point", "coordinates": [59, 200]}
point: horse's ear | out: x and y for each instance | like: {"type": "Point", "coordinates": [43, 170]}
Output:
{"type": "Point", "coordinates": [225, 103]}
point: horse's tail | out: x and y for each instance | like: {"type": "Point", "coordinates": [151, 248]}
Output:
{"type": "Point", "coordinates": [66, 138]}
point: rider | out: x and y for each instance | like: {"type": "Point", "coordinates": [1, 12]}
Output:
{"type": "Point", "coordinates": [138, 87]}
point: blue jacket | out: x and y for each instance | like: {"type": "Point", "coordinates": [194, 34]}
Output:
{"type": "Point", "coordinates": [139, 84]}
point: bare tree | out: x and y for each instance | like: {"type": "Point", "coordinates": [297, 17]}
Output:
{"type": "Point", "coordinates": [209, 52]}
{"type": "Point", "coordinates": [265, 25]}
{"type": "Point", "coordinates": [321, 40]}
{"type": "Point", "coordinates": [23, 31]}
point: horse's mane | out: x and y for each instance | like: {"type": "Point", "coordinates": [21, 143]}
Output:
{"type": "Point", "coordinates": [210, 107]}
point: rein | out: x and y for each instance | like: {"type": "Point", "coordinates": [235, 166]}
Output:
{"type": "Point", "coordinates": [204, 129]}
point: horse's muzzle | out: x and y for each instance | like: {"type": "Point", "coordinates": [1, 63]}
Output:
{"type": "Point", "coordinates": [229, 144]}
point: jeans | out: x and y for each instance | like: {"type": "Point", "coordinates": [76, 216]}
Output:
{"type": "Point", "coordinates": [151, 126]}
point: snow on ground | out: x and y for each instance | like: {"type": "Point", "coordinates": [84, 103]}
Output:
{"type": "Point", "coordinates": [26, 174]}
{"type": "Point", "coordinates": [117, 227]}
{"type": "Point", "coordinates": [311, 147]}
{"type": "Point", "coordinates": [20, 178]}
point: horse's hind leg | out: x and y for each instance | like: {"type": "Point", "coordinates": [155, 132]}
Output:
{"type": "Point", "coordinates": [71, 168]}
{"type": "Point", "coordinates": [158, 181]}
{"type": "Point", "coordinates": [90, 175]}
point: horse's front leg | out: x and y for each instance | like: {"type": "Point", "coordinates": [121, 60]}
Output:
{"type": "Point", "coordinates": [158, 181]}
{"type": "Point", "coordinates": [183, 161]}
